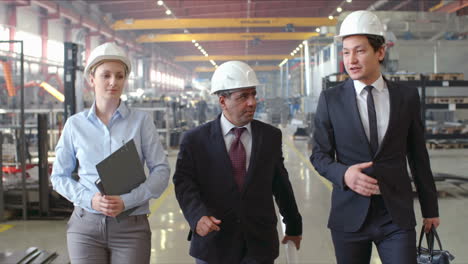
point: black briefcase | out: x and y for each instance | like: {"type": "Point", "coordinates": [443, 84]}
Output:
{"type": "Point", "coordinates": [430, 255]}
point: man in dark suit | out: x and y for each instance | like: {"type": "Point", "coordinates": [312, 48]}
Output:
{"type": "Point", "coordinates": [366, 129]}
{"type": "Point", "coordinates": [228, 171]}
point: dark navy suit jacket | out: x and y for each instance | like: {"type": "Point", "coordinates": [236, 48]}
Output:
{"type": "Point", "coordinates": [340, 141]}
{"type": "Point", "coordinates": [204, 185]}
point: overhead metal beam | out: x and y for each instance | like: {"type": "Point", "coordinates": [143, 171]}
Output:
{"type": "Point", "coordinates": [226, 36]}
{"type": "Point", "coordinates": [135, 24]}
{"type": "Point", "coordinates": [439, 5]}
{"type": "Point", "coordinates": [255, 68]}
{"type": "Point", "coordinates": [453, 6]}
{"type": "Point", "coordinates": [233, 57]}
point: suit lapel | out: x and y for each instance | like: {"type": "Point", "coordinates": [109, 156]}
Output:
{"type": "Point", "coordinates": [256, 143]}
{"type": "Point", "coordinates": [352, 107]}
{"type": "Point", "coordinates": [394, 108]}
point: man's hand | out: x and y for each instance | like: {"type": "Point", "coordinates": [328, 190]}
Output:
{"type": "Point", "coordinates": [360, 182]}
{"type": "Point", "coordinates": [429, 222]}
{"type": "Point", "coordinates": [295, 239]}
{"type": "Point", "coordinates": [207, 224]}
{"type": "Point", "coordinates": [109, 205]}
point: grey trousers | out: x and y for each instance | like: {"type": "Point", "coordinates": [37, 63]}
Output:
{"type": "Point", "coordinates": [96, 238]}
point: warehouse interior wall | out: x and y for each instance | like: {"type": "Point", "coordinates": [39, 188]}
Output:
{"type": "Point", "coordinates": [418, 56]}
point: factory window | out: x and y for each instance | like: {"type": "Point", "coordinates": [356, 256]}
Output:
{"type": "Point", "coordinates": [4, 35]}
{"type": "Point", "coordinates": [55, 51]}
{"type": "Point", "coordinates": [32, 44]}
{"type": "Point", "coordinates": [158, 77]}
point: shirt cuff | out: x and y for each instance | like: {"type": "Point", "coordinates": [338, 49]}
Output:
{"type": "Point", "coordinates": [87, 201]}
{"type": "Point", "coordinates": [128, 201]}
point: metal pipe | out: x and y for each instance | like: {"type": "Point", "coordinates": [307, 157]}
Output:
{"type": "Point", "coordinates": [23, 138]}
{"type": "Point", "coordinates": [307, 66]}
{"type": "Point", "coordinates": [376, 5]}
{"type": "Point", "coordinates": [2, 200]}
{"type": "Point", "coordinates": [301, 92]}
{"type": "Point", "coordinates": [281, 82]}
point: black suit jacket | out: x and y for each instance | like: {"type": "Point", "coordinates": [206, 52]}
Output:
{"type": "Point", "coordinates": [205, 186]}
{"type": "Point", "coordinates": [340, 141]}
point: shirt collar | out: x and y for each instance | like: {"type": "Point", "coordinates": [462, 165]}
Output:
{"type": "Point", "coordinates": [379, 85]}
{"type": "Point", "coordinates": [226, 125]}
{"type": "Point", "coordinates": [122, 110]}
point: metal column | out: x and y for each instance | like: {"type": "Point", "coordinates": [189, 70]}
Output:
{"type": "Point", "coordinates": [307, 67]}
{"type": "Point", "coordinates": [23, 138]}
{"type": "Point", "coordinates": [43, 164]}
{"type": "Point", "coordinates": [2, 200]}
{"type": "Point", "coordinates": [70, 67]}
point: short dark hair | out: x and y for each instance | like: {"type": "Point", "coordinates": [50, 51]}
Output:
{"type": "Point", "coordinates": [227, 93]}
{"type": "Point", "coordinates": [376, 41]}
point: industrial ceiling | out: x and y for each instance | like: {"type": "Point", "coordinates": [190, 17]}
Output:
{"type": "Point", "coordinates": [261, 31]}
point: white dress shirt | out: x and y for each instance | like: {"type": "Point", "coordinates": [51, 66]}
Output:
{"type": "Point", "coordinates": [229, 137]}
{"type": "Point", "coordinates": [381, 102]}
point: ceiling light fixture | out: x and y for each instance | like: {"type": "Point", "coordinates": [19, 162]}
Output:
{"type": "Point", "coordinates": [283, 62]}
{"type": "Point", "coordinates": [339, 9]}
{"type": "Point", "coordinates": [168, 12]}
{"type": "Point", "coordinates": [160, 3]}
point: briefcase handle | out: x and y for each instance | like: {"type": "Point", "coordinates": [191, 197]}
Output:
{"type": "Point", "coordinates": [430, 240]}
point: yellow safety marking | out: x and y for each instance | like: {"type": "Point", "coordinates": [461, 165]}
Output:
{"type": "Point", "coordinates": [241, 36]}
{"type": "Point", "coordinates": [306, 161]}
{"type": "Point", "coordinates": [158, 202]}
{"type": "Point", "coordinates": [5, 227]}
{"type": "Point", "coordinates": [233, 57]}
{"type": "Point", "coordinates": [186, 23]}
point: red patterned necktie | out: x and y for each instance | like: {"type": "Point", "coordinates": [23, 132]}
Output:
{"type": "Point", "coordinates": [238, 157]}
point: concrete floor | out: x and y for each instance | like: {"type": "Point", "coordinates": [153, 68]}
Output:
{"type": "Point", "coordinates": [169, 244]}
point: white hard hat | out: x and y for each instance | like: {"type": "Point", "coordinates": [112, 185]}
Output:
{"type": "Point", "coordinates": [106, 51]}
{"type": "Point", "coordinates": [361, 22]}
{"type": "Point", "coordinates": [233, 75]}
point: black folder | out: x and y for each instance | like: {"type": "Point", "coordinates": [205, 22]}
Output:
{"type": "Point", "coordinates": [121, 172]}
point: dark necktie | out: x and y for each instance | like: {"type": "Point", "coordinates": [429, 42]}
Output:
{"type": "Point", "coordinates": [238, 157]}
{"type": "Point", "coordinates": [373, 135]}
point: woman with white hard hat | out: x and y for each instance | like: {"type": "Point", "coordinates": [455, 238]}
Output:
{"type": "Point", "coordinates": [94, 234]}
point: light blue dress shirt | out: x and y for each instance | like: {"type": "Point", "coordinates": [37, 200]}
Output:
{"type": "Point", "coordinates": [86, 138]}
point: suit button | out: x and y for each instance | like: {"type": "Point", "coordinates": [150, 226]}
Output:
{"type": "Point", "coordinates": [238, 221]}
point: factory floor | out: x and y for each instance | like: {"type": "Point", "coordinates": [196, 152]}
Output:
{"type": "Point", "coordinates": [169, 228]}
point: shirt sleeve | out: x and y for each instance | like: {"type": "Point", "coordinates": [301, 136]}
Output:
{"type": "Point", "coordinates": [155, 158]}
{"type": "Point", "coordinates": [64, 164]}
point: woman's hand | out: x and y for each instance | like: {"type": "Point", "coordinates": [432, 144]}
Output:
{"type": "Point", "coordinates": [110, 205]}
